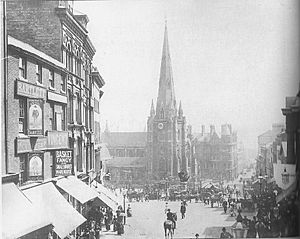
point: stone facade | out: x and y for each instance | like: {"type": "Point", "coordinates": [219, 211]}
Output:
{"type": "Point", "coordinates": [216, 156]}
{"type": "Point", "coordinates": [166, 126]}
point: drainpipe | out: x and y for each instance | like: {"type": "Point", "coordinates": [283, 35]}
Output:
{"type": "Point", "coordinates": [5, 65]}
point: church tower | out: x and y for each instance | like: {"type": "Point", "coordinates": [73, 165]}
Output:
{"type": "Point", "coordinates": [166, 125]}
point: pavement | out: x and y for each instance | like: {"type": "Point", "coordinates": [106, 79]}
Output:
{"type": "Point", "coordinates": [148, 217]}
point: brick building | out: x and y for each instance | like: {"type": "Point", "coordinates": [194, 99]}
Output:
{"type": "Point", "coordinates": [37, 113]}
{"type": "Point", "coordinates": [216, 155]}
{"type": "Point", "coordinates": [52, 28]}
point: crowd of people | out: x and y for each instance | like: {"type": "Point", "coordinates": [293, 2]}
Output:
{"type": "Point", "coordinates": [100, 219]}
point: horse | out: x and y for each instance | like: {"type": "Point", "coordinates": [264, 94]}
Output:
{"type": "Point", "coordinates": [169, 226]}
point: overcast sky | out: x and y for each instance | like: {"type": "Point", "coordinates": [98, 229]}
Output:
{"type": "Point", "coordinates": [233, 61]}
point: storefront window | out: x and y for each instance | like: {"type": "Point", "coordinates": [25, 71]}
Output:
{"type": "Point", "coordinates": [22, 175]}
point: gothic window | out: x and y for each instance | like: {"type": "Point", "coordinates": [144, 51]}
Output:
{"type": "Point", "coordinates": [162, 115]}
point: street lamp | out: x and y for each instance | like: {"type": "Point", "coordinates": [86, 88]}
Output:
{"type": "Point", "coordinates": [260, 178]}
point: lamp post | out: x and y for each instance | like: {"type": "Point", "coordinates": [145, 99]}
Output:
{"type": "Point", "coordinates": [124, 196]}
{"type": "Point", "coordinates": [260, 183]}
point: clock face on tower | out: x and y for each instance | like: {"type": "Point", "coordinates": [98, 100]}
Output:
{"type": "Point", "coordinates": [160, 126]}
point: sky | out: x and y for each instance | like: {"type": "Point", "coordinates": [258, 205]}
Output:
{"type": "Point", "coordinates": [233, 61]}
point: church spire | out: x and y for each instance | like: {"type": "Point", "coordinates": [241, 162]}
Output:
{"type": "Point", "coordinates": [152, 111]}
{"type": "Point", "coordinates": [166, 93]}
{"type": "Point", "coordinates": [180, 111]}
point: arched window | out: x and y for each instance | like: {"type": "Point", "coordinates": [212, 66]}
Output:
{"type": "Point", "coordinates": [162, 114]}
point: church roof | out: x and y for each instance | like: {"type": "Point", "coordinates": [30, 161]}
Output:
{"type": "Point", "coordinates": [133, 139]}
{"type": "Point", "coordinates": [127, 162]}
{"type": "Point", "coordinates": [166, 92]}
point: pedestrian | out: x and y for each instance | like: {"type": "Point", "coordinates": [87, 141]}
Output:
{"type": "Point", "coordinates": [182, 210]}
{"type": "Point", "coordinates": [166, 207]}
{"type": "Point", "coordinates": [225, 234]}
{"type": "Point", "coordinates": [225, 206]}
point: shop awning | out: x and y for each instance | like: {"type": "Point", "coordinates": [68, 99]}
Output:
{"type": "Point", "coordinates": [19, 215]}
{"type": "Point", "coordinates": [52, 204]}
{"type": "Point", "coordinates": [106, 200]}
{"type": "Point", "coordinates": [286, 192]}
{"type": "Point", "coordinates": [107, 192]}
{"type": "Point", "coordinates": [77, 189]}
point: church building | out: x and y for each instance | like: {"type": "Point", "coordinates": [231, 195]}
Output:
{"type": "Point", "coordinates": [166, 126]}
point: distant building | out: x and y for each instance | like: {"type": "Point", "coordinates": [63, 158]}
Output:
{"type": "Point", "coordinates": [264, 160]}
{"type": "Point", "coordinates": [128, 163]}
{"type": "Point", "coordinates": [216, 156]}
{"type": "Point", "coordinates": [166, 127]}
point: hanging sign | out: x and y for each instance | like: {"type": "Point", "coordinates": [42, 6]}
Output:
{"type": "Point", "coordinates": [35, 166]}
{"type": "Point", "coordinates": [35, 116]}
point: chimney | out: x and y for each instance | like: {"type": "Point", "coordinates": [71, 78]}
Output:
{"type": "Point", "coordinates": [202, 130]}
{"type": "Point", "coordinates": [212, 129]}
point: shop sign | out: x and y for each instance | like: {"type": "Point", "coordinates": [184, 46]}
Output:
{"type": "Point", "coordinates": [35, 117]}
{"type": "Point", "coordinates": [23, 145]}
{"type": "Point", "coordinates": [30, 91]}
{"type": "Point", "coordinates": [57, 139]}
{"type": "Point", "coordinates": [57, 97]}
{"type": "Point", "coordinates": [63, 162]}
{"type": "Point", "coordinates": [31, 144]}
{"type": "Point", "coordinates": [35, 166]}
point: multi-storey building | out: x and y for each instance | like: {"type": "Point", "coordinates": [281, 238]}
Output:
{"type": "Point", "coordinates": [216, 156]}
{"type": "Point", "coordinates": [264, 160]}
{"type": "Point", "coordinates": [37, 100]}
{"type": "Point", "coordinates": [53, 28]}
{"type": "Point", "coordinates": [166, 126]}
{"type": "Point", "coordinates": [97, 83]}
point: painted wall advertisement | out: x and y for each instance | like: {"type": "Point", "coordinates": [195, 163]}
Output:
{"type": "Point", "coordinates": [35, 166]}
{"type": "Point", "coordinates": [35, 116]}
{"type": "Point", "coordinates": [63, 162]}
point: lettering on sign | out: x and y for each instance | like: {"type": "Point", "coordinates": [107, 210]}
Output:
{"type": "Point", "coordinates": [29, 90]}
{"type": "Point", "coordinates": [63, 162]}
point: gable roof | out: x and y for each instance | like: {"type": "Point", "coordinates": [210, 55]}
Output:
{"type": "Point", "coordinates": [133, 139]}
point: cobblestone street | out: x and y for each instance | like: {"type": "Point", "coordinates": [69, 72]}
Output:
{"type": "Point", "coordinates": [148, 218]}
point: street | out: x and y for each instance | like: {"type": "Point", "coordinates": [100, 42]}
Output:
{"type": "Point", "coordinates": [148, 218]}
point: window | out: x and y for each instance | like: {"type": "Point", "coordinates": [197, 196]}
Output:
{"type": "Point", "coordinates": [22, 175]}
{"type": "Point", "coordinates": [63, 117]}
{"type": "Point", "coordinates": [22, 114]}
{"type": "Point", "coordinates": [39, 76]}
{"type": "Point", "coordinates": [78, 109]}
{"type": "Point", "coordinates": [51, 117]}
{"type": "Point", "coordinates": [69, 106]}
{"type": "Point", "coordinates": [22, 68]}
{"type": "Point", "coordinates": [51, 78]}
{"type": "Point", "coordinates": [63, 83]}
